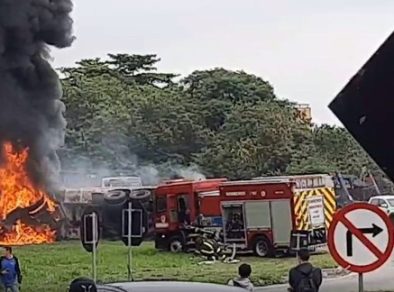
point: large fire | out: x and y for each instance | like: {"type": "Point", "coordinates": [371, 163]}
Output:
{"type": "Point", "coordinates": [17, 192]}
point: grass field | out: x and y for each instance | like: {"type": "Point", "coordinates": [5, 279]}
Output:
{"type": "Point", "coordinates": [51, 267]}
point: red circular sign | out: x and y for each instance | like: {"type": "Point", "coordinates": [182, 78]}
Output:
{"type": "Point", "coordinates": [339, 217]}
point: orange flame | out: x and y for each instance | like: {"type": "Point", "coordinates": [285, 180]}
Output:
{"type": "Point", "coordinates": [18, 191]}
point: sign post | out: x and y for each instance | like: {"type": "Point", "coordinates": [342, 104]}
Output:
{"type": "Point", "coordinates": [129, 255]}
{"type": "Point", "coordinates": [360, 239]}
{"type": "Point", "coordinates": [360, 283]}
{"type": "Point", "coordinates": [94, 252]}
{"type": "Point", "coordinates": [131, 230]}
{"type": "Point", "coordinates": [90, 238]}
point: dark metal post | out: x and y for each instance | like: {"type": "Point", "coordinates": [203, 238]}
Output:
{"type": "Point", "coordinates": [360, 283]}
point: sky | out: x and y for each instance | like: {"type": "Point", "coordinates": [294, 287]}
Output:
{"type": "Point", "coordinates": [306, 49]}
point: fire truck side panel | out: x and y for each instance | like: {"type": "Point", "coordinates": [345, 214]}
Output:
{"type": "Point", "coordinates": [268, 211]}
{"type": "Point", "coordinates": [282, 223]}
{"type": "Point", "coordinates": [311, 212]}
{"type": "Point", "coordinates": [209, 207]}
{"type": "Point", "coordinates": [258, 220]}
{"type": "Point", "coordinates": [257, 215]}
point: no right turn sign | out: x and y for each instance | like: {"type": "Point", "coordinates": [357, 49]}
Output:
{"type": "Point", "coordinates": [360, 237]}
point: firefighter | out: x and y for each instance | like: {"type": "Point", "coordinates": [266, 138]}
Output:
{"type": "Point", "coordinates": [200, 220]}
{"type": "Point", "coordinates": [235, 226]}
{"type": "Point", "coordinates": [208, 248]}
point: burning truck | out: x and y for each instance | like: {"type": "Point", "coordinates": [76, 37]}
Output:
{"type": "Point", "coordinates": [29, 215]}
{"type": "Point", "coordinates": [32, 126]}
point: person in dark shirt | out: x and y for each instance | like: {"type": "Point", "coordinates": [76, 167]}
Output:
{"type": "Point", "coordinates": [304, 277]}
{"type": "Point", "coordinates": [10, 272]}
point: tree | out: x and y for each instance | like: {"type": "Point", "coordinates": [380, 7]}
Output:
{"type": "Point", "coordinates": [116, 112]}
{"type": "Point", "coordinates": [129, 69]}
{"type": "Point", "coordinates": [164, 128]}
{"type": "Point", "coordinates": [95, 109]}
{"type": "Point", "coordinates": [139, 69]}
{"type": "Point", "coordinates": [122, 113]}
{"type": "Point", "coordinates": [256, 139]}
{"type": "Point", "coordinates": [335, 144]}
{"type": "Point", "coordinates": [218, 90]}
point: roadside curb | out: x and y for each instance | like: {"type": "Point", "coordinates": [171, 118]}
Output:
{"type": "Point", "coordinates": [333, 273]}
{"type": "Point", "coordinates": [284, 284]}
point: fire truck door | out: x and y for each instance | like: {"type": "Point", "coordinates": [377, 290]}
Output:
{"type": "Point", "coordinates": [281, 221]}
{"type": "Point", "coordinates": [234, 223]}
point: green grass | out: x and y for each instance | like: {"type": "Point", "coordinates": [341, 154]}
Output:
{"type": "Point", "coordinates": [51, 267]}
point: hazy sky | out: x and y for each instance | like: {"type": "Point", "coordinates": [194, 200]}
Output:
{"type": "Point", "coordinates": [307, 49]}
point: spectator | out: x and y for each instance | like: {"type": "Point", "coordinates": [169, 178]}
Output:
{"type": "Point", "coordinates": [304, 277]}
{"type": "Point", "coordinates": [82, 285]}
{"type": "Point", "coordinates": [243, 281]}
{"type": "Point", "coordinates": [11, 276]}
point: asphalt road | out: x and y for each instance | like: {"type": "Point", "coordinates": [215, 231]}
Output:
{"type": "Point", "coordinates": [379, 280]}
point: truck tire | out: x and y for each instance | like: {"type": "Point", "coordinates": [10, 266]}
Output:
{"type": "Point", "coordinates": [175, 244]}
{"type": "Point", "coordinates": [115, 197]}
{"type": "Point", "coordinates": [262, 247]}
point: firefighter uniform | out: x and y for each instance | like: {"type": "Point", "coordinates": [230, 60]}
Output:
{"type": "Point", "coordinates": [207, 248]}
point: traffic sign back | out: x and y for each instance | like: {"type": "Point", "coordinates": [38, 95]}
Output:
{"type": "Point", "coordinates": [360, 237]}
{"type": "Point", "coordinates": [366, 106]}
{"type": "Point", "coordinates": [88, 236]}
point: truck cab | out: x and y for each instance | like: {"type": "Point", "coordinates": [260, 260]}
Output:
{"type": "Point", "coordinates": [179, 204]}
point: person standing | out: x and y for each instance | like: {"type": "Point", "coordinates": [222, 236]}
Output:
{"type": "Point", "coordinates": [10, 272]}
{"type": "Point", "coordinates": [304, 277]}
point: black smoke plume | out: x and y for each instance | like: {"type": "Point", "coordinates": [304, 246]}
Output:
{"type": "Point", "coordinates": [31, 113]}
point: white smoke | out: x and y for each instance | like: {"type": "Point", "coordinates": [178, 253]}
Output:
{"type": "Point", "coordinates": [83, 174]}
{"type": "Point", "coordinates": [191, 172]}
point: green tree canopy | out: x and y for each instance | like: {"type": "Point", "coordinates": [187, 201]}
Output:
{"type": "Point", "coordinates": [122, 113]}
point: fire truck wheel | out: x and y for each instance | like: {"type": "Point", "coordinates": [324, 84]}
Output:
{"type": "Point", "coordinates": [262, 247]}
{"type": "Point", "coordinates": [175, 244]}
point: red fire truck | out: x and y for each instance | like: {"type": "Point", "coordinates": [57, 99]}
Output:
{"type": "Point", "coordinates": [254, 215]}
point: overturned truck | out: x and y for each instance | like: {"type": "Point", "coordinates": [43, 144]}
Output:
{"type": "Point", "coordinates": [108, 203]}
